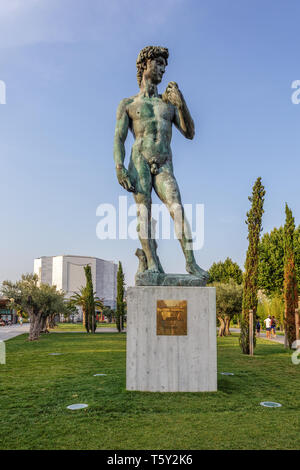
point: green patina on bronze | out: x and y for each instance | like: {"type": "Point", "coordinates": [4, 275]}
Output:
{"type": "Point", "coordinates": [150, 116]}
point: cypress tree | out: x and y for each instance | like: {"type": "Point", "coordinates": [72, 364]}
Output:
{"type": "Point", "coordinates": [290, 277]}
{"type": "Point", "coordinates": [120, 298]}
{"type": "Point", "coordinates": [254, 220]}
{"type": "Point", "coordinates": [90, 322]}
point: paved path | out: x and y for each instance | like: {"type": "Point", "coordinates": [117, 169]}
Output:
{"type": "Point", "coordinates": [8, 332]}
{"type": "Point", "coordinates": [278, 339]}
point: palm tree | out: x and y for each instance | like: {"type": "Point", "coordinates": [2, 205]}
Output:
{"type": "Point", "coordinates": [80, 299]}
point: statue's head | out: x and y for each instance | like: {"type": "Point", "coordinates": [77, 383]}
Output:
{"type": "Point", "coordinates": [152, 61]}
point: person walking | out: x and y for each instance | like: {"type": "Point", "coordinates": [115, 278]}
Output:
{"type": "Point", "coordinates": [268, 322]}
{"type": "Point", "coordinates": [273, 327]}
{"type": "Point", "coordinates": [258, 326]}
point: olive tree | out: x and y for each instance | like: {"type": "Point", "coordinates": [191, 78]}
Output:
{"type": "Point", "coordinates": [39, 301]}
{"type": "Point", "coordinates": [229, 297]}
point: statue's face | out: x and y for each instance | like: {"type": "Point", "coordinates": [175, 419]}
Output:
{"type": "Point", "coordinates": [155, 69]}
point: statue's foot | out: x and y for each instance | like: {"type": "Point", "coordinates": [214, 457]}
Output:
{"type": "Point", "coordinates": [142, 260]}
{"type": "Point", "coordinates": [160, 268]}
{"type": "Point", "coordinates": [153, 268]}
{"type": "Point", "coordinates": [193, 268]}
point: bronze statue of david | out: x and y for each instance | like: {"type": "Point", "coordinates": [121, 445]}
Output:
{"type": "Point", "coordinates": [150, 117]}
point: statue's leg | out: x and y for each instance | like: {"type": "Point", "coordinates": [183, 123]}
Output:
{"type": "Point", "coordinates": [167, 189]}
{"type": "Point", "coordinates": [141, 177]}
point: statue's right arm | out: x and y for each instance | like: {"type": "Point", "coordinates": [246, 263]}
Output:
{"type": "Point", "coordinates": [121, 132]}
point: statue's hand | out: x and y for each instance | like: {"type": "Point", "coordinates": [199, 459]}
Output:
{"type": "Point", "coordinates": [124, 180]}
{"type": "Point", "coordinates": [173, 95]}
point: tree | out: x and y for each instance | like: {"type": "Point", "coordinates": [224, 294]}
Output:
{"type": "Point", "coordinates": [78, 299]}
{"type": "Point", "coordinates": [271, 261]}
{"type": "Point", "coordinates": [297, 252]}
{"type": "Point", "coordinates": [290, 277]}
{"type": "Point", "coordinates": [108, 312]}
{"type": "Point", "coordinates": [254, 222]}
{"type": "Point", "coordinates": [82, 299]}
{"type": "Point", "coordinates": [120, 311]}
{"type": "Point", "coordinates": [90, 321]}
{"type": "Point", "coordinates": [224, 271]}
{"type": "Point", "coordinates": [38, 301]}
{"type": "Point", "coordinates": [270, 268]}
{"type": "Point", "coordinates": [229, 298]}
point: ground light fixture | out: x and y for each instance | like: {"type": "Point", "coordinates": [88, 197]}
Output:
{"type": "Point", "coordinates": [77, 406]}
{"type": "Point", "coordinates": [270, 404]}
{"type": "Point", "coordinates": [226, 373]}
{"type": "Point", "coordinates": [97, 375]}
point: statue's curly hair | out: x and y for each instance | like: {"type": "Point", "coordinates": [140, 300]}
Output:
{"type": "Point", "coordinates": [149, 52]}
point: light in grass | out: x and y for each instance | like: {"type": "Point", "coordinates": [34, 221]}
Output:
{"type": "Point", "coordinates": [77, 406]}
{"type": "Point", "coordinates": [270, 404]}
{"type": "Point", "coordinates": [54, 354]}
{"type": "Point", "coordinates": [98, 375]}
{"type": "Point", "coordinates": [226, 373]}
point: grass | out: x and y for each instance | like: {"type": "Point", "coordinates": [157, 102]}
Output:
{"type": "Point", "coordinates": [35, 389]}
{"type": "Point", "coordinates": [79, 326]}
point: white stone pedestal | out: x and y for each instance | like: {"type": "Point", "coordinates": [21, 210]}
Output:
{"type": "Point", "coordinates": [164, 363]}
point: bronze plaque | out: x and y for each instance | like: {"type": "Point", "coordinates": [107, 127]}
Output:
{"type": "Point", "coordinates": [171, 317]}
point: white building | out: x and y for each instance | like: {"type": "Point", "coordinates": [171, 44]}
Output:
{"type": "Point", "coordinates": [67, 274]}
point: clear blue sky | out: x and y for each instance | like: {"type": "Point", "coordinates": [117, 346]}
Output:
{"type": "Point", "coordinates": [68, 63]}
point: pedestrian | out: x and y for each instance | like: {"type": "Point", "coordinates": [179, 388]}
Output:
{"type": "Point", "coordinates": [268, 322]}
{"type": "Point", "coordinates": [273, 326]}
{"type": "Point", "coordinates": [258, 326]}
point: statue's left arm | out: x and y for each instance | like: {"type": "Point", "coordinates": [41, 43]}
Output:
{"type": "Point", "coordinates": [182, 117]}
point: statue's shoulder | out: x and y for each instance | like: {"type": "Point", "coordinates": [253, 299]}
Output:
{"type": "Point", "coordinates": [124, 106]}
{"type": "Point", "coordinates": [126, 102]}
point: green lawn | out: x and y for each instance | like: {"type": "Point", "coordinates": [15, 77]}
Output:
{"type": "Point", "coordinates": [35, 389]}
{"type": "Point", "coordinates": [79, 326]}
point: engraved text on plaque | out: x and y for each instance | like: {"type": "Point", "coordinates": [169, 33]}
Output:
{"type": "Point", "coordinates": [171, 317]}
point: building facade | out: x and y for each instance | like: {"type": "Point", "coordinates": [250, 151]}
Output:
{"type": "Point", "coordinates": [6, 314]}
{"type": "Point", "coordinates": [66, 273]}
